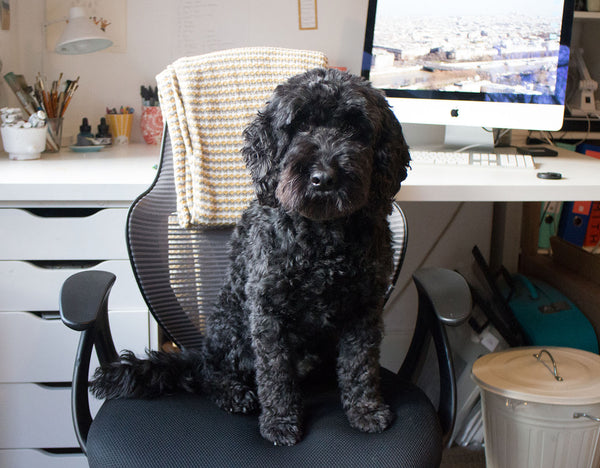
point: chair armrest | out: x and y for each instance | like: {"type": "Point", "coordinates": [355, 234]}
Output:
{"type": "Point", "coordinates": [448, 292]}
{"type": "Point", "coordinates": [82, 296]}
{"type": "Point", "coordinates": [444, 300]}
{"type": "Point", "coordinates": [83, 306]}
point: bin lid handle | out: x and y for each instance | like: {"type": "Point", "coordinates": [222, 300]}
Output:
{"type": "Point", "coordinates": [554, 369]}
{"type": "Point", "coordinates": [585, 415]}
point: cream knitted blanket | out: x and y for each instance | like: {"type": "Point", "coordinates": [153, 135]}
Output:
{"type": "Point", "coordinates": [207, 101]}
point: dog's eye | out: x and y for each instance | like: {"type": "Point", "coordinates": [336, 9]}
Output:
{"type": "Point", "coordinates": [301, 126]}
{"type": "Point", "coordinates": [349, 129]}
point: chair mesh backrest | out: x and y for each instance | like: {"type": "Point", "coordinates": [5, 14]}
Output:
{"type": "Point", "coordinates": [180, 271]}
{"type": "Point", "coordinates": [399, 230]}
{"type": "Point", "coordinates": [166, 258]}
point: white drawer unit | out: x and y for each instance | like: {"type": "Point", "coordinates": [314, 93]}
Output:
{"type": "Point", "coordinates": [34, 286]}
{"type": "Point", "coordinates": [39, 248]}
{"type": "Point", "coordinates": [62, 234]}
{"type": "Point", "coordinates": [41, 458]}
{"type": "Point", "coordinates": [48, 346]}
{"type": "Point", "coordinates": [39, 415]}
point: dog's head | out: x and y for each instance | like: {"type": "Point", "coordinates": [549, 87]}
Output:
{"type": "Point", "coordinates": [326, 145]}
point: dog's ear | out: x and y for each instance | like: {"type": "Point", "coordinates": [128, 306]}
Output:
{"type": "Point", "coordinates": [391, 156]}
{"type": "Point", "coordinates": [260, 155]}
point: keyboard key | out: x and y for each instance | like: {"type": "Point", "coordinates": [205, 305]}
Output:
{"type": "Point", "coordinates": [486, 160]}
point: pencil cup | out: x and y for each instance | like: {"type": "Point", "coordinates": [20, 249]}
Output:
{"type": "Point", "coordinates": [151, 124]}
{"type": "Point", "coordinates": [23, 143]}
{"type": "Point", "coordinates": [54, 134]}
{"type": "Point", "coordinates": [120, 127]}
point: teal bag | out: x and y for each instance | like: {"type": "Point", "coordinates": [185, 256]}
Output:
{"type": "Point", "coordinates": [548, 317]}
{"type": "Point", "coordinates": [530, 312]}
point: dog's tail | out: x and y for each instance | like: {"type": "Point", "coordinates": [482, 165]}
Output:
{"type": "Point", "coordinates": [162, 373]}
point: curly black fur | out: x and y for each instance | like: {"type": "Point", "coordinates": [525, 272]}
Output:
{"type": "Point", "coordinates": [160, 374]}
{"type": "Point", "coordinates": [310, 262]}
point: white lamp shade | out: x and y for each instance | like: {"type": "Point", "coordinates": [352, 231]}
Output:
{"type": "Point", "coordinates": [81, 36]}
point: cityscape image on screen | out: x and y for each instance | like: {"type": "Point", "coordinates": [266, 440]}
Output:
{"type": "Point", "coordinates": [468, 47]}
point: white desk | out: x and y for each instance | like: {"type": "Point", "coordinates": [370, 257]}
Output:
{"type": "Point", "coordinates": [581, 181]}
{"type": "Point", "coordinates": [111, 177]}
{"type": "Point", "coordinates": [43, 240]}
{"type": "Point", "coordinates": [116, 176]}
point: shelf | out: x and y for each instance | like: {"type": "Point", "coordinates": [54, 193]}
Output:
{"type": "Point", "coordinates": [587, 15]}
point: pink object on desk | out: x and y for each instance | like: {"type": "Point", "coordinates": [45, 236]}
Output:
{"type": "Point", "coordinates": [152, 124]}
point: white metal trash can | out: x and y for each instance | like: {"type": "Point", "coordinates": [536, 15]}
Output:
{"type": "Point", "coordinates": [541, 407]}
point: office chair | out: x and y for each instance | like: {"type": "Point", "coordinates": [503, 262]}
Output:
{"type": "Point", "coordinates": [179, 271]}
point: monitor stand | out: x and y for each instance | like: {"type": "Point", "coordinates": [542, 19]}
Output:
{"type": "Point", "coordinates": [468, 139]}
{"type": "Point", "coordinates": [449, 137]}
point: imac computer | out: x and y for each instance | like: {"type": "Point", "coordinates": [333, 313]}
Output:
{"type": "Point", "coordinates": [471, 64]}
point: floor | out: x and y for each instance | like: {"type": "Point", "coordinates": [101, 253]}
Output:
{"type": "Point", "coordinates": [459, 457]}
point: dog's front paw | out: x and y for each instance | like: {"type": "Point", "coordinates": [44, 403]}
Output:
{"type": "Point", "coordinates": [281, 430]}
{"type": "Point", "coordinates": [237, 398]}
{"type": "Point", "coordinates": [370, 418]}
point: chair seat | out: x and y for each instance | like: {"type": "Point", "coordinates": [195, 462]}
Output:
{"type": "Point", "coordinates": [186, 430]}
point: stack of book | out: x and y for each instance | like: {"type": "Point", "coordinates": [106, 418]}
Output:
{"type": "Point", "coordinates": [576, 222]}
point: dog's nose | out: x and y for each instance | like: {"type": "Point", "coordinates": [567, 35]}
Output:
{"type": "Point", "coordinates": [323, 179]}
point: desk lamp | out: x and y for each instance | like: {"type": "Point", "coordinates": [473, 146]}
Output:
{"type": "Point", "coordinates": [81, 36]}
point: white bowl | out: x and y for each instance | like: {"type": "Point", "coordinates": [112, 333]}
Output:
{"type": "Point", "coordinates": [23, 143]}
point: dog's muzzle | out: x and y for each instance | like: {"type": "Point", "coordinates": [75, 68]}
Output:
{"type": "Point", "coordinates": [326, 176]}
{"type": "Point", "coordinates": [323, 179]}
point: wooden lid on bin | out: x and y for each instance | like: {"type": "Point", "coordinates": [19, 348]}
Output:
{"type": "Point", "coordinates": [551, 375]}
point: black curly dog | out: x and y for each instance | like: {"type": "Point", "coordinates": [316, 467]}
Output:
{"type": "Point", "coordinates": [310, 262]}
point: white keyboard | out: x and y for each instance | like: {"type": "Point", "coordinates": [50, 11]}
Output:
{"type": "Point", "coordinates": [488, 160]}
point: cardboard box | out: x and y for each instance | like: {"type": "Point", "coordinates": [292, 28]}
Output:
{"type": "Point", "coordinates": [584, 263]}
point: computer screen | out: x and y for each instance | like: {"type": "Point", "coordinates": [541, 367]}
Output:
{"type": "Point", "coordinates": [483, 63]}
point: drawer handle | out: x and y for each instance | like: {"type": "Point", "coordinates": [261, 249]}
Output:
{"type": "Point", "coordinates": [53, 385]}
{"type": "Point", "coordinates": [65, 264]}
{"type": "Point", "coordinates": [46, 314]}
{"type": "Point", "coordinates": [63, 212]}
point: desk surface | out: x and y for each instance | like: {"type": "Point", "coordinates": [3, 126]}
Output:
{"type": "Point", "coordinates": [117, 175]}
{"type": "Point", "coordinates": [112, 176]}
{"type": "Point", "coordinates": [580, 181]}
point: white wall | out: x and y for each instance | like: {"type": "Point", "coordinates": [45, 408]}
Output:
{"type": "Point", "coordinates": [158, 32]}
{"type": "Point", "coordinates": [439, 235]}
{"type": "Point", "coordinates": [9, 56]}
